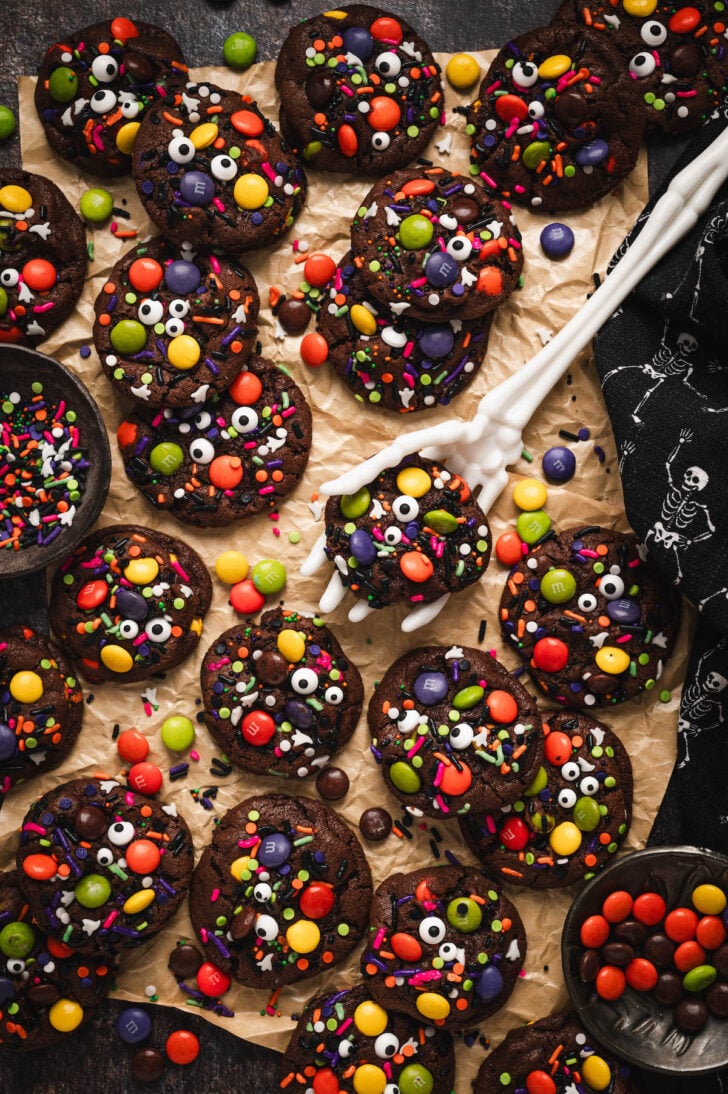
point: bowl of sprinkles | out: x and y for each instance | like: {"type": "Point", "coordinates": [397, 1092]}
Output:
{"type": "Point", "coordinates": [645, 956]}
{"type": "Point", "coordinates": [55, 462]}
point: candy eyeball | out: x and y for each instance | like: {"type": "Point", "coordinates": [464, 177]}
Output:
{"type": "Point", "coordinates": [589, 786]}
{"type": "Point", "coordinates": [611, 587]}
{"type": "Point", "coordinates": [461, 735]}
{"type": "Point", "coordinates": [405, 508]}
{"type": "Point", "coordinates": [345, 1049]}
{"type": "Point", "coordinates": [244, 419]}
{"type": "Point", "coordinates": [9, 278]}
{"type": "Point", "coordinates": [120, 833]}
{"type": "Point", "coordinates": [266, 928]}
{"type": "Point", "coordinates": [181, 150]}
{"type": "Point", "coordinates": [653, 33]}
{"type": "Point", "coordinates": [566, 798]}
{"type": "Point", "coordinates": [129, 107]}
{"type": "Point", "coordinates": [158, 630]}
{"type": "Point", "coordinates": [202, 451]}
{"type": "Point", "coordinates": [128, 629]}
{"type": "Point", "coordinates": [536, 110]}
{"type": "Point", "coordinates": [464, 914]}
{"type": "Point", "coordinates": [334, 695]}
{"type": "Point", "coordinates": [178, 308]}
{"type": "Point", "coordinates": [304, 681]}
{"type": "Point", "coordinates": [104, 68]}
{"type": "Point", "coordinates": [642, 64]}
{"type": "Point", "coordinates": [15, 966]}
{"type": "Point", "coordinates": [460, 248]}
{"type": "Point", "coordinates": [432, 930]}
{"type": "Point", "coordinates": [570, 771]}
{"type": "Point", "coordinates": [150, 312]}
{"type": "Point", "coordinates": [262, 892]}
{"type": "Point", "coordinates": [448, 951]}
{"type": "Point", "coordinates": [223, 168]}
{"type": "Point", "coordinates": [525, 73]}
{"type": "Point", "coordinates": [388, 64]}
{"type": "Point", "coordinates": [380, 141]}
{"type": "Point", "coordinates": [386, 1046]}
{"type": "Point", "coordinates": [203, 420]}
{"type": "Point", "coordinates": [587, 602]}
{"type": "Point", "coordinates": [174, 327]}
{"type": "Point", "coordinates": [392, 536]}
{"type": "Point", "coordinates": [391, 1088]}
{"type": "Point", "coordinates": [101, 102]}
{"type": "Point", "coordinates": [104, 856]}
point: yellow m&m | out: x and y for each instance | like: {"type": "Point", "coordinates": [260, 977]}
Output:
{"type": "Point", "coordinates": [250, 191]}
{"type": "Point", "coordinates": [612, 660]}
{"type": "Point", "coordinates": [370, 1019]}
{"type": "Point", "coordinates": [65, 1015]}
{"type": "Point", "coordinates": [26, 686]}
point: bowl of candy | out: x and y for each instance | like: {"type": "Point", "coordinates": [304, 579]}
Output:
{"type": "Point", "coordinates": [55, 461]}
{"type": "Point", "coordinates": [645, 956]}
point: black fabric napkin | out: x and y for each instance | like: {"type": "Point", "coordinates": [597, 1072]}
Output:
{"type": "Point", "coordinates": [663, 365]}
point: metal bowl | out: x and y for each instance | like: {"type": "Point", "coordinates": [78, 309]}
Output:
{"type": "Point", "coordinates": [21, 367]}
{"type": "Point", "coordinates": [635, 1027]}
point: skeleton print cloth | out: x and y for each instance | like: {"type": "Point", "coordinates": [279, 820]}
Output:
{"type": "Point", "coordinates": [663, 365]}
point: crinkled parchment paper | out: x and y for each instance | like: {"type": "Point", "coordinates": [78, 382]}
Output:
{"type": "Point", "coordinates": [344, 431]}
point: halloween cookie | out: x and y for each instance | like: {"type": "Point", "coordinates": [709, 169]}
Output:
{"type": "Point", "coordinates": [570, 820]}
{"type": "Point", "coordinates": [434, 245]}
{"type": "Point", "coordinates": [674, 52]}
{"type": "Point", "coordinates": [346, 1040]}
{"type": "Point", "coordinates": [41, 706]}
{"type": "Point", "coordinates": [557, 1049]}
{"type": "Point", "coordinates": [42, 257]}
{"type": "Point", "coordinates": [453, 730]}
{"type": "Point", "coordinates": [281, 893]}
{"type": "Point", "coordinates": [413, 534]}
{"type": "Point", "coordinates": [103, 868]}
{"type": "Point", "coordinates": [280, 696]}
{"type": "Point", "coordinates": [392, 360]}
{"type": "Point", "coordinates": [212, 171]}
{"type": "Point", "coordinates": [360, 91]}
{"type": "Point", "coordinates": [173, 327]}
{"type": "Point", "coordinates": [591, 615]}
{"type": "Point", "coordinates": [556, 124]}
{"type": "Point", "coordinates": [95, 85]}
{"type": "Point", "coordinates": [443, 945]}
{"type": "Point", "coordinates": [47, 990]}
{"type": "Point", "coordinates": [129, 603]}
{"type": "Point", "coordinates": [224, 460]}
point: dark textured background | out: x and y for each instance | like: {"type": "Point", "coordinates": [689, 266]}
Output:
{"type": "Point", "coordinates": [98, 1061]}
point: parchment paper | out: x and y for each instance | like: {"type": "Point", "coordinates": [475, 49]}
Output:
{"type": "Point", "coordinates": [344, 431]}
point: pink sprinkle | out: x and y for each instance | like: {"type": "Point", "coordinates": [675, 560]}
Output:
{"type": "Point", "coordinates": [219, 664]}
{"type": "Point", "coordinates": [416, 746]}
{"type": "Point", "coordinates": [214, 895]}
{"type": "Point", "coordinates": [44, 307]}
{"type": "Point", "coordinates": [274, 516]}
{"type": "Point", "coordinates": [624, 638]}
{"type": "Point", "coordinates": [440, 801]}
{"type": "Point", "coordinates": [439, 774]}
{"type": "Point", "coordinates": [426, 977]}
{"type": "Point", "coordinates": [417, 598]}
{"type": "Point", "coordinates": [194, 755]}
{"type": "Point", "coordinates": [419, 282]}
{"type": "Point", "coordinates": [157, 419]}
{"type": "Point", "coordinates": [520, 189]}
{"type": "Point", "coordinates": [347, 91]}
{"type": "Point", "coordinates": [147, 709]}
{"type": "Point", "coordinates": [204, 934]}
{"type": "Point", "coordinates": [288, 412]}
{"type": "Point", "coordinates": [387, 1069]}
{"type": "Point", "coordinates": [490, 823]}
{"type": "Point", "coordinates": [266, 490]}
{"type": "Point", "coordinates": [248, 842]}
{"type": "Point", "coordinates": [492, 88]}
{"type": "Point", "coordinates": [214, 263]}
{"type": "Point", "coordinates": [378, 534]}
{"type": "Point", "coordinates": [129, 798]}
{"type": "Point", "coordinates": [635, 562]}
{"type": "Point", "coordinates": [686, 94]}
{"type": "Point", "coordinates": [178, 569]}
{"type": "Point", "coordinates": [276, 531]}
{"type": "Point", "coordinates": [563, 82]}
{"type": "Point", "coordinates": [522, 973]}
{"type": "Point", "coordinates": [487, 179]}
{"type": "Point", "coordinates": [511, 129]}
{"type": "Point", "coordinates": [379, 936]}
{"type": "Point", "coordinates": [140, 639]}
{"type": "Point", "coordinates": [250, 444]}
{"type": "Point", "coordinates": [32, 827]}
{"type": "Point", "coordinates": [514, 243]}
{"type": "Point", "coordinates": [408, 348]}
{"type": "Point", "coordinates": [219, 205]}
{"type": "Point", "coordinates": [96, 137]}
{"type": "Point", "coordinates": [588, 553]}
{"type": "Point", "coordinates": [268, 171]}
{"type": "Point", "coordinates": [110, 919]}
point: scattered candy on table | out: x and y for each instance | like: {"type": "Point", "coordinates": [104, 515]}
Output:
{"type": "Point", "coordinates": [239, 50]}
{"type": "Point", "coordinates": [96, 205]}
{"type": "Point", "coordinates": [462, 71]}
{"type": "Point", "coordinates": [557, 240]}
{"type": "Point", "coordinates": [7, 123]}
{"type": "Point", "coordinates": [178, 733]}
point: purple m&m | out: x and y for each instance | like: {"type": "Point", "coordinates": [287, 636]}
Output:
{"type": "Point", "coordinates": [490, 984]}
{"type": "Point", "coordinates": [298, 714]}
{"type": "Point", "coordinates": [130, 604]}
{"type": "Point", "coordinates": [134, 1025]}
{"type": "Point", "coordinates": [197, 188]}
{"type": "Point", "coordinates": [362, 547]}
{"type": "Point", "coordinates": [436, 341]}
{"type": "Point", "coordinates": [441, 269]}
{"type": "Point", "coordinates": [556, 240]}
{"type": "Point", "coordinates": [624, 610]}
{"type": "Point", "coordinates": [7, 742]}
{"type": "Point", "coordinates": [182, 277]}
{"type": "Point", "coordinates": [559, 463]}
{"type": "Point", "coordinates": [358, 40]}
{"type": "Point", "coordinates": [430, 688]}
{"type": "Point", "coordinates": [593, 153]}
{"type": "Point", "coordinates": [274, 850]}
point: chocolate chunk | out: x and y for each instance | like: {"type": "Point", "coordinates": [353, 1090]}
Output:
{"type": "Point", "coordinates": [332, 783]}
{"type": "Point", "coordinates": [375, 824]}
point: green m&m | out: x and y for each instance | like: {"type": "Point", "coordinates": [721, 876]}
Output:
{"type": "Point", "coordinates": [7, 123]}
{"type": "Point", "coordinates": [96, 205]}
{"type": "Point", "coordinates": [128, 336]}
{"type": "Point", "coordinates": [269, 576]}
{"type": "Point", "coordinates": [239, 50]}
{"type": "Point", "coordinates": [92, 891]}
{"type": "Point", "coordinates": [63, 84]}
{"type": "Point", "coordinates": [415, 232]}
{"type": "Point", "coordinates": [17, 939]}
{"type": "Point", "coordinates": [178, 732]}
{"type": "Point", "coordinates": [166, 457]}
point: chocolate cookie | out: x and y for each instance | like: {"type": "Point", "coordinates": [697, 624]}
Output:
{"type": "Point", "coordinates": [41, 706]}
{"type": "Point", "coordinates": [212, 171]}
{"type": "Point", "coordinates": [556, 124]}
{"type": "Point", "coordinates": [46, 989]}
{"type": "Point", "coordinates": [443, 945]}
{"type": "Point", "coordinates": [392, 360]}
{"type": "Point", "coordinates": [556, 1048]}
{"type": "Point", "coordinates": [360, 91]}
{"type": "Point", "coordinates": [591, 615]}
{"type": "Point", "coordinates": [174, 327]}
{"type": "Point", "coordinates": [129, 603]}
{"type": "Point", "coordinates": [280, 696]}
{"type": "Point", "coordinates": [224, 460]}
{"type": "Point", "coordinates": [413, 534]}
{"type": "Point", "coordinates": [346, 1040]}
{"type": "Point", "coordinates": [103, 868]}
{"type": "Point", "coordinates": [95, 86]}
{"type": "Point", "coordinates": [434, 245]}
{"type": "Point", "coordinates": [282, 892]}
{"type": "Point", "coordinates": [454, 731]}
{"type": "Point", "coordinates": [42, 257]}
{"type": "Point", "coordinates": [570, 820]}
{"type": "Point", "coordinates": [674, 53]}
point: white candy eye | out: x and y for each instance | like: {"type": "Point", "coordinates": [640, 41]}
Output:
{"type": "Point", "coordinates": [392, 1088]}
{"type": "Point", "coordinates": [570, 771]}
{"type": "Point", "coordinates": [611, 587]}
{"type": "Point", "coordinates": [174, 326]}
{"type": "Point", "coordinates": [388, 64]}
{"type": "Point", "coordinates": [180, 150]}
{"type": "Point", "coordinates": [525, 73]}
{"type": "Point", "coordinates": [223, 168]}
{"type": "Point", "coordinates": [536, 110]}
{"type": "Point", "coordinates": [459, 248]}
{"type": "Point", "coordinates": [104, 68]}
{"type": "Point", "coordinates": [128, 629]}
{"type": "Point", "coordinates": [101, 102]}
{"type": "Point", "coordinates": [178, 308]}
{"type": "Point", "coordinates": [642, 64]}
{"type": "Point", "coordinates": [262, 892]}
{"type": "Point", "coordinates": [150, 312]}
{"type": "Point", "coordinates": [334, 695]}
{"type": "Point", "coordinates": [386, 1046]}
{"type": "Point", "coordinates": [15, 966]}
{"type": "Point", "coordinates": [652, 33]}
{"type": "Point", "coordinates": [393, 337]}
{"type": "Point", "coordinates": [566, 798]}
{"type": "Point", "coordinates": [432, 930]}
{"type": "Point", "coordinates": [244, 419]}
{"type": "Point", "coordinates": [202, 451]}
{"type": "Point", "coordinates": [589, 785]}
{"type": "Point", "coordinates": [120, 833]}
{"type": "Point", "coordinates": [461, 735]}
{"type": "Point", "coordinates": [266, 927]}
{"type": "Point", "coordinates": [345, 1049]}
{"type": "Point", "coordinates": [405, 508]}
{"type": "Point", "coordinates": [380, 141]}
{"type": "Point", "coordinates": [203, 419]}
{"type": "Point", "coordinates": [448, 951]}
{"type": "Point", "coordinates": [104, 856]}
{"type": "Point", "coordinates": [304, 681]}
{"type": "Point", "coordinates": [392, 536]}
{"type": "Point", "coordinates": [587, 602]}
{"type": "Point", "coordinates": [9, 278]}
{"type": "Point", "coordinates": [158, 630]}
{"type": "Point", "coordinates": [130, 108]}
